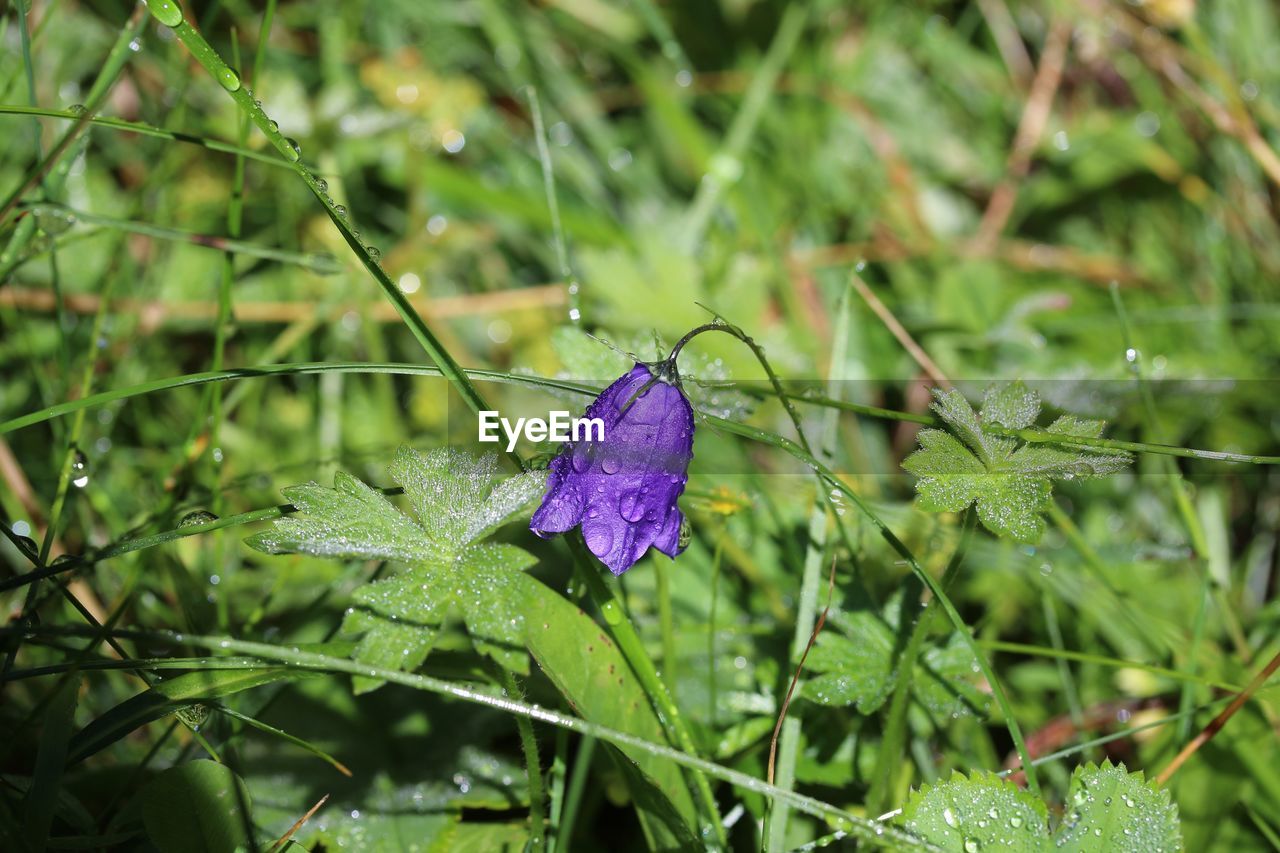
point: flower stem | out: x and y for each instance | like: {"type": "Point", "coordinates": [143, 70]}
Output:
{"type": "Point", "coordinates": [632, 648]}
{"type": "Point", "coordinates": [533, 767]}
{"type": "Point", "coordinates": [730, 329]}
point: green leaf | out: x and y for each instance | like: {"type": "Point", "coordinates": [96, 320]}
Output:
{"type": "Point", "coordinates": [350, 520]}
{"type": "Point", "coordinates": [855, 670]}
{"type": "Point", "coordinates": [855, 665]}
{"type": "Point", "coordinates": [1010, 484]}
{"type": "Point", "coordinates": [448, 489]}
{"type": "Point", "coordinates": [955, 410]}
{"type": "Point", "coordinates": [1111, 809]}
{"type": "Point", "coordinates": [46, 782]}
{"type": "Point", "coordinates": [463, 837]}
{"type": "Point", "coordinates": [1012, 406]}
{"type": "Point", "coordinates": [166, 697]}
{"type": "Point", "coordinates": [453, 495]}
{"type": "Point", "coordinates": [400, 617]}
{"type": "Point", "coordinates": [1107, 809]}
{"type": "Point", "coordinates": [977, 813]}
{"type": "Point", "coordinates": [587, 358]}
{"type": "Point", "coordinates": [589, 670]}
{"type": "Point", "coordinates": [457, 504]}
{"type": "Point", "coordinates": [198, 807]}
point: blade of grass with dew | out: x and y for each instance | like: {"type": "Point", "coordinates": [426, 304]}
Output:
{"type": "Point", "coordinates": [170, 14]}
{"type": "Point", "coordinates": [142, 129]}
{"type": "Point", "coordinates": [815, 556]}
{"type": "Point", "coordinates": [870, 831]}
{"type": "Point", "coordinates": [547, 383]}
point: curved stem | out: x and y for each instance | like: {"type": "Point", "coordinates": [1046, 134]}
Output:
{"type": "Point", "coordinates": [980, 657]}
{"type": "Point", "coordinates": [730, 329]}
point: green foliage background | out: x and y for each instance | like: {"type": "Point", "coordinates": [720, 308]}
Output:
{"type": "Point", "coordinates": [1078, 194]}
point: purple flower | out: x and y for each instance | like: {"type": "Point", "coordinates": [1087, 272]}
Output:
{"type": "Point", "coordinates": [623, 490]}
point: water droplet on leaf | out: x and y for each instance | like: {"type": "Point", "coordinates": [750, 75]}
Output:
{"type": "Point", "coordinates": [166, 12]}
{"type": "Point", "coordinates": [229, 79]}
{"type": "Point", "coordinates": [197, 518]}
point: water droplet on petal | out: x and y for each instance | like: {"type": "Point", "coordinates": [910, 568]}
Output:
{"type": "Point", "coordinates": [599, 538]}
{"type": "Point", "coordinates": [632, 505]}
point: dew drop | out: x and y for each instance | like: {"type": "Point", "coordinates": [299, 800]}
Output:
{"type": "Point", "coordinates": [1015, 821]}
{"type": "Point", "coordinates": [197, 518]}
{"type": "Point", "coordinates": [229, 79]}
{"type": "Point", "coordinates": [273, 126]}
{"type": "Point", "coordinates": [341, 210]}
{"type": "Point", "coordinates": [598, 537]}
{"type": "Point", "coordinates": [322, 185]}
{"type": "Point", "coordinates": [632, 505]}
{"type": "Point", "coordinates": [950, 817]}
{"type": "Point", "coordinates": [374, 253]}
{"type": "Point", "coordinates": [292, 150]}
{"type": "Point", "coordinates": [611, 463]}
{"type": "Point", "coordinates": [166, 12]}
{"type": "Point", "coordinates": [80, 470]}
{"type": "Point", "coordinates": [971, 845]}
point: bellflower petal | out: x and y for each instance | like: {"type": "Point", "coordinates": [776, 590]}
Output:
{"type": "Point", "coordinates": [623, 490]}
